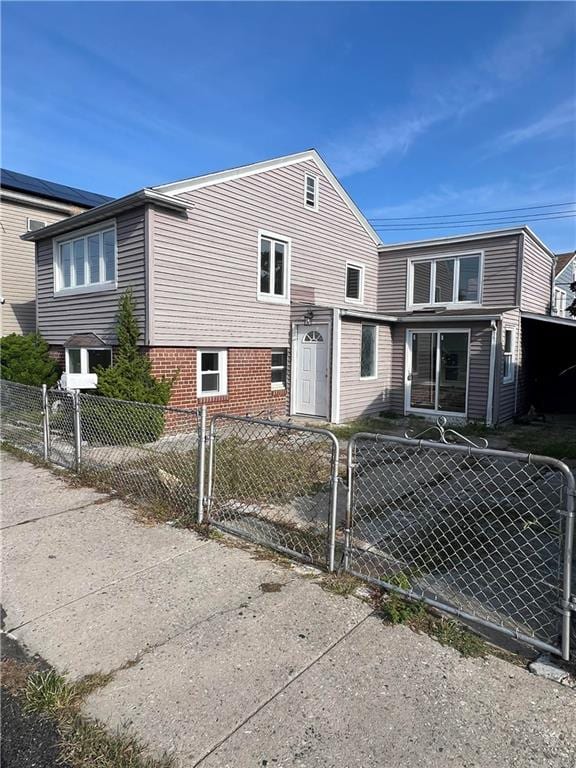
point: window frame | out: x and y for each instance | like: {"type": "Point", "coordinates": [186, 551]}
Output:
{"type": "Point", "coordinates": [31, 218]}
{"type": "Point", "coordinates": [222, 371]}
{"type": "Point", "coordinates": [563, 296]}
{"type": "Point", "coordinates": [362, 269]}
{"type": "Point", "coordinates": [374, 375]}
{"type": "Point", "coordinates": [316, 179]}
{"type": "Point", "coordinates": [84, 234]}
{"type": "Point", "coordinates": [433, 259]}
{"type": "Point", "coordinates": [279, 385]}
{"type": "Point", "coordinates": [508, 378]}
{"type": "Point", "coordinates": [273, 298]}
{"type": "Point", "coordinates": [84, 367]}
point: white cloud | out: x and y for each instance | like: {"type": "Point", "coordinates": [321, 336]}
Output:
{"type": "Point", "coordinates": [511, 59]}
{"type": "Point", "coordinates": [561, 118]}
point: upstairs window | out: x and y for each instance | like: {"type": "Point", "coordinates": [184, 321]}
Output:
{"type": "Point", "coordinates": [86, 262]}
{"type": "Point", "coordinates": [508, 356]}
{"type": "Point", "coordinates": [354, 283]}
{"type": "Point", "coordinates": [311, 191]}
{"type": "Point", "coordinates": [443, 280]}
{"type": "Point", "coordinates": [35, 224]}
{"type": "Point", "coordinates": [273, 268]}
{"type": "Point", "coordinates": [212, 372]}
{"type": "Point", "coordinates": [279, 359]}
{"type": "Point", "coordinates": [368, 352]}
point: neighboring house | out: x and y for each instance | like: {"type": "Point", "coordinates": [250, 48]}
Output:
{"type": "Point", "coordinates": [28, 204]}
{"type": "Point", "coordinates": [564, 276]}
{"type": "Point", "coordinates": [266, 289]}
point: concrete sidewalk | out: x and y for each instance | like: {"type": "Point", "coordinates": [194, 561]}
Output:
{"type": "Point", "coordinates": [217, 670]}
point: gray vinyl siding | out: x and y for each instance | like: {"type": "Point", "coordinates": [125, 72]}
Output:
{"type": "Point", "coordinates": [510, 396]}
{"type": "Point", "coordinates": [479, 365]}
{"type": "Point", "coordinates": [363, 397]}
{"type": "Point", "coordinates": [537, 270]}
{"type": "Point", "coordinates": [499, 280]}
{"type": "Point", "coordinates": [18, 274]}
{"type": "Point", "coordinates": [205, 264]}
{"type": "Point", "coordinates": [62, 316]}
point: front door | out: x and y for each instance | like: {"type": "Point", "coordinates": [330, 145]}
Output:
{"type": "Point", "coordinates": [312, 370]}
{"type": "Point", "coordinates": [437, 375]}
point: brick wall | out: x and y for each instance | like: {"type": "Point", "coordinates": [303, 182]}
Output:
{"type": "Point", "coordinates": [249, 381]}
{"type": "Point", "coordinates": [57, 354]}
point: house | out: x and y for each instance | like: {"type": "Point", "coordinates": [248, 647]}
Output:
{"type": "Point", "coordinates": [28, 204]}
{"type": "Point", "coordinates": [266, 290]}
{"type": "Point", "coordinates": [564, 276]}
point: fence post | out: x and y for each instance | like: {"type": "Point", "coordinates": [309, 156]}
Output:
{"type": "Point", "coordinates": [77, 430]}
{"type": "Point", "coordinates": [567, 606]}
{"type": "Point", "coordinates": [333, 507]}
{"type": "Point", "coordinates": [201, 468]}
{"type": "Point", "coordinates": [45, 423]}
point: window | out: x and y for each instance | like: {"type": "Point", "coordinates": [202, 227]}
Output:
{"type": "Point", "coordinates": [368, 352]}
{"type": "Point", "coordinates": [273, 268]}
{"type": "Point", "coordinates": [508, 355]}
{"type": "Point", "coordinates": [86, 262]}
{"type": "Point", "coordinates": [311, 191]}
{"type": "Point", "coordinates": [559, 302]}
{"type": "Point", "coordinates": [354, 283]}
{"type": "Point", "coordinates": [313, 337]}
{"type": "Point", "coordinates": [34, 224]}
{"type": "Point", "coordinates": [82, 360]}
{"type": "Point", "coordinates": [279, 358]}
{"type": "Point", "coordinates": [445, 280]}
{"type": "Point", "coordinates": [212, 374]}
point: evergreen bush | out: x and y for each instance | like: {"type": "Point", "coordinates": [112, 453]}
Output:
{"type": "Point", "coordinates": [26, 360]}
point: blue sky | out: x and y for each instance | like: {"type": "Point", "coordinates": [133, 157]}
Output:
{"type": "Point", "coordinates": [422, 109]}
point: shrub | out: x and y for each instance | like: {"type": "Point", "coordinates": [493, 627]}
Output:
{"type": "Point", "coordinates": [25, 359]}
{"type": "Point", "coordinates": [112, 423]}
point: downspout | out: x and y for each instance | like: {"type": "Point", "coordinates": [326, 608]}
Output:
{"type": "Point", "coordinates": [335, 400]}
{"type": "Point", "coordinates": [490, 403]}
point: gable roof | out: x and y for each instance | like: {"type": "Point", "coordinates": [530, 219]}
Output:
{"type": "Point", "coordinates": [197, 182]}
{"type": "Point", "coordinates": [20, 182]}
{"type": "Point", "coordinates": [562, 261]}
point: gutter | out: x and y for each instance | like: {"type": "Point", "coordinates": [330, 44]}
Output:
{"type": "Point", "coordinates": [48, 205]}
{"type": "Point", "coordinates": [104, 211]}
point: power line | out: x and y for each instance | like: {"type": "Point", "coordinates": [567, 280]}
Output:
{"type": "Point", "coordinates": [474, 213]}
{"type": "Point", "coordinates": [503, 219]}
{"type": "Point", "coordinates": [444, 225]}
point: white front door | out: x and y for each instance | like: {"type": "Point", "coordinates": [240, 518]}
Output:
{"type": "Point", "coordinates": [311, 377]}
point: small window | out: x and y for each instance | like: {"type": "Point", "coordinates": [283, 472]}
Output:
{"type": "Point", "coordinates": [354, 283]}
{"type": "Point", "coordinates": [311, 192]}
{"type": "Point", "coordinates": [508, 355]}
{"type": "Point", "coordinates": [273, 269]}
{"type": "Point", "coordinates": [279, 358]}
{"type": "Point", "coordinates": [34, 224]}
{"type": "Point", "coordinates": [82, 360]}
{"type": "Point", "coordinates": [368, 352]}
{"type": "Point", "coordinates": [212, 372]}
{"type": "Point", "coordinates": [313, 337]}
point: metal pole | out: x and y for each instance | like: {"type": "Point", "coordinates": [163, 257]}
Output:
{"type": "Point", "coordinates": [45, 423]}
{"type": "Point", "coordinates": [566, 605]}
{"type": "Point", "coordinates": [77, 431]}
{"type": "Point", "coordinates": [212, 443]}
{"type": "Point", "coordinates": [333, 510]}
{"type": "Point", "coordinates": [201, 467]}
{"type": "Point", "coordinates": [349, 501]}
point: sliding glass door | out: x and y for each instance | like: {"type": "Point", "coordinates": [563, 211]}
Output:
{"type": "Point", "coordinates": [437, 371]}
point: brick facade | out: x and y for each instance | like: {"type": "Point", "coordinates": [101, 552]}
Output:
{"type": "Point", "coordinates": [249, 381]}
{"type": "Point", "coordinates": [58, 355]}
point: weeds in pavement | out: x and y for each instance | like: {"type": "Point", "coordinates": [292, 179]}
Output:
{"type": "Point", "coordinates": [340, 584]}
{"type": "Point", "coordinates": [48, 693]}
{"type": "Point", "coordinates": [451, 632]}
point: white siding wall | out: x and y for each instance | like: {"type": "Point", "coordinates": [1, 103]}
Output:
{"type": "Point", "coordinates": [205, 265]}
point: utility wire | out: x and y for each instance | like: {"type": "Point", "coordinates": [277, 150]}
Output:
{"type": "Point", "coordinates": [503, 219]}
{"type": "Point", "coordinates": [444, 225]}
{"type": "Point", "coordinates": [473, 213]}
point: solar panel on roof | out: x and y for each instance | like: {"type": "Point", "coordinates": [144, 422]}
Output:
{"type": "Point", "coordinates": [23, 183]}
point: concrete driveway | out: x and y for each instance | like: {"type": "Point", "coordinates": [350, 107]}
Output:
{"type": "Point", "coordinates": [222, 658]}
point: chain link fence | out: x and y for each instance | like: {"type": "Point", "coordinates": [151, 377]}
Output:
{"type": "Point", "coordinates": [22, 417]}
{"type": "Point", "coordinates": [484, 534]}
{"type": "Point", "coordinates": [275, 484]}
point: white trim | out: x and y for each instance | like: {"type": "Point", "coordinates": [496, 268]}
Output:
{"type": "Point", "coordinates": [408, 368]}
{"type": "Point", "coordinates": [512, 354]}
{"type": "Point", "coordinates": [316, 179]}
{"type": "Point", "coordinates": [336, 366]}
{"type": "Point", "coordinates": [362, 269]}
{"type": "Point", "coordinates": [375, 374]}
{"type": "Point", "coordinates": [492, 373]}
{"type": "Point", "coordinates": [549, 318]}
{"type": "Point", "coordinates": [69, 237]}
{"type": "Point", "coordinates": [433, 259]}
{"type": "Point", "coordinates": [276, 386]}
{"type": "Point", "coordinates": [272, 298]}
{"type": "Point", "coordinates": [555, 310]}
{"type": "Point", "coordinates": [295, 360]}
{"type": "Point", "coordinates": [187, 185]}
{"type": "Point", "coordinates": [565, 267]}
{"type": "Point", "coordinates": [293, 368]}
{"type": "Point", "coordinates": [31, 218]}
{"type": "Point", "coordinates": [222, 371]}
{"type": "Point", "coordinates": [84, 357]}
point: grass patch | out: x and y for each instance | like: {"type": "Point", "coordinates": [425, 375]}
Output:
{"type": "Point", "coordinates": [384, 424]}
{"type": "Point", "coordinates": [341, 584]}
{"type": "Point", "coordinates": [83, 743]}
{"type": "Point", "coordinates": [535, 440]}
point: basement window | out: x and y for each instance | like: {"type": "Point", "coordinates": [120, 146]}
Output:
{"type": "Point", "coordinates": [83, 360]}
{"type": "Point", "coordinates": [279, 359]}
{"type": "Point", "coordinates": [212, 372]}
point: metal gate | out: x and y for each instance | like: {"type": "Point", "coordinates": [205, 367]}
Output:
{"type": "Point", "coordinates": [483, 534]}
{"type": "Point", "coordinates": [275, 484]}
